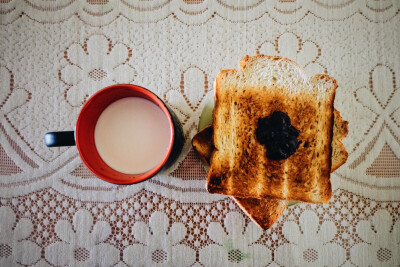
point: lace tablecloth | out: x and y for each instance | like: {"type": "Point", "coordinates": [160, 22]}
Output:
{"type": "Point", "coordinates": [54, 54]}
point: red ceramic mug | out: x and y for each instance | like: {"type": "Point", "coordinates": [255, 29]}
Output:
{"type": "Point", "coordinates": [83, 136]}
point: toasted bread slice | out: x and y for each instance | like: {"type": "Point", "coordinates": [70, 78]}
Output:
{"type": "Point", "coordinates": [239, 165]}
{"type": "Point", "coordinates": [265, 212]}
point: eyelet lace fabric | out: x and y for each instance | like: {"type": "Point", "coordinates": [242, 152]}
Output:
{"type": "Point", "coordinates": [56, 54]}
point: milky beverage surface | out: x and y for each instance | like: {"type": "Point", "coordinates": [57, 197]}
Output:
{"type": "Point", "coordinates": [132, 135]}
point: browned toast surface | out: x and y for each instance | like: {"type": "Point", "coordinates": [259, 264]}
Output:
{"type": "Point", "coordinates": [265, 212]}
{"type": "Point", "coordinates": [340, 131]}
{"type": "Point", "coordinates": [239, 165]}
{"type": "Point", "coordinates": [202, 142]}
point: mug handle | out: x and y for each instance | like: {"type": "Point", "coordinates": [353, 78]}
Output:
{"type": "Point", "coordinates": [54, 139]}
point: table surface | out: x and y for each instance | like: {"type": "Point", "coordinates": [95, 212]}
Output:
{"type": "Point", "coordinates": [54, 54]}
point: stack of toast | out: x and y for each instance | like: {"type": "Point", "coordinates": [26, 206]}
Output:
{"type": "Point", "coordinates": [241, 165]}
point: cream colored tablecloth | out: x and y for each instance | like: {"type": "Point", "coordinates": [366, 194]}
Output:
{"type": "Point", "coordinates": [54, 54]}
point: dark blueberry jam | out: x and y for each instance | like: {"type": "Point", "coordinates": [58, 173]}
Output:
{"type": "Point", "coordinates": [278, 135]}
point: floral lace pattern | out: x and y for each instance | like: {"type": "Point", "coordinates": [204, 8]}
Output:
{"type": "Point", "coordinates": [159, 243]}
{"type": "Point", "coordinates": [14, 248]}
{"type": "Point", "coordinates": [151, 229]}
{"type": "Point", "coordinates": [95, 65]}
{"type": "Point", "coordinates": [380, 241]}
{"type": "Point", "coordinates": [56, 54]}
{"type": "Point", "coordinates": [82, 244]}
{"type": "Point", "coordinates": [309, 251]}
{"type": "Point", "coordinates": [98, 12]}
{"type": "Point", "coordinates": [236, 247]}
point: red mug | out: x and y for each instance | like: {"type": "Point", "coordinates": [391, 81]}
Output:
{"type": "Point", "coordinates": [83, 136]}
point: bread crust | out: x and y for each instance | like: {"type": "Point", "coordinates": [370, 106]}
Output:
{"type": "Point", "coordinates": [264, 212]}
{"type": "Point", "coordinates": [239, 165]}
{"type": "Point", "coordinates": [340, 131]}
{"type": "Point", "coordinates": [202, 144]}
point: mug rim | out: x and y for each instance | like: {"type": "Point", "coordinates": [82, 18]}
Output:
{"type": "Point", "coordinates": [126, 178]}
